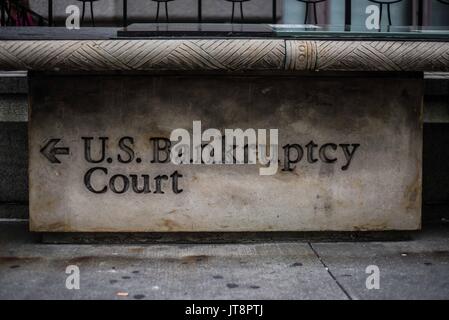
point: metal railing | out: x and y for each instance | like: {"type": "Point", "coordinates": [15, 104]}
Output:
{"type": "Point", "coordinates": [8, 5]}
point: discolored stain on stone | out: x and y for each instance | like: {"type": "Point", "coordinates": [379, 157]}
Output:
{"type": "Point", "coordinates": [232, 285]}
{"type": "Point", "coordinates": [296, 264]}
{"type": "Point", "coordinates": [171, 225]}
{"type": "Point", "coordinates": [82, 260]}
{"type": "Point", "coordinates": [14, 260]}
{"type": "Point", "coordinates": [254, 287]}
{"type": "Point", "coordinates": [136, 250]}
{"type": "Point", "coordinates": [194, 259]}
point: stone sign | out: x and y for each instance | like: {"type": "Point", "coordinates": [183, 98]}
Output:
{"type": "Point", "coordinates": [101, 153]}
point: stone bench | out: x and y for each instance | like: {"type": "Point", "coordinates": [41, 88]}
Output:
{"type": "Point", "coordinates": [123, 93]}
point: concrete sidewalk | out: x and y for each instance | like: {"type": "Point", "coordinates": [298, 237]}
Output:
{"type": "Point", "coordinates": [415, 269]}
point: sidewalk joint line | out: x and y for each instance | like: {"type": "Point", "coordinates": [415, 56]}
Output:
{"type": "Point", "coordinates": [329, 271]}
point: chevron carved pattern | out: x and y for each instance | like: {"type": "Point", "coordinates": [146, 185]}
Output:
{"type": "Point", "coordinates": [382, 56]}
{"type": "Point", "coordinates": [224, 54]}
{"type": "Point", "coordinates": [232, 55]}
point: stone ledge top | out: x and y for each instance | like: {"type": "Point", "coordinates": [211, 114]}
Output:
{"type": "Point", "coordinates": [228, 55]}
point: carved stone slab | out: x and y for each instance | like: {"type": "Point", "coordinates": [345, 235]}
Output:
{"type": "Point", "coordinates": [360, 164]}
{"type": "Point", "coordinates": [231, 55]}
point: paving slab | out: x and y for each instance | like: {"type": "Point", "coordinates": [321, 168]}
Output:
{"type": "Point", "coordinates": [417, 269]}
{"type": "Point", "coordinates": [30, 270]}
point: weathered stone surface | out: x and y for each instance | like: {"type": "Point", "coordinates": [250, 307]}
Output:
{"type": "Point", "coordinates": [380, 55]}
{"type": "Point", "coordinates": [380, 190]}
{"type": "Point", "coordinates": [156, 54]}
{"type": "Point", "coordinates": [233, 55]}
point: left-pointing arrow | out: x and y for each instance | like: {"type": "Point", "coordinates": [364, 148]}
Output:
{"type": "Point", "coordinates": [50, 150]}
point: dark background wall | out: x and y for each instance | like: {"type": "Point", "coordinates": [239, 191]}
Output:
{"type": "Point", "coordinates": [436, 147]}
{"type": "Point", "coordinates": [13, 145]}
